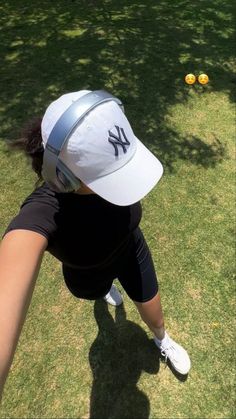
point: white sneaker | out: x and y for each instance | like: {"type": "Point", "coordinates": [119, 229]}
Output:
{"type": "Point", "coordinates": [113, 297]}
{"type": "Point", "coordinates": [177, 355]}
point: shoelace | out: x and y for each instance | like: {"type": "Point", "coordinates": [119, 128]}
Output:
{"type": "Point", "coordinates": [165, 352]}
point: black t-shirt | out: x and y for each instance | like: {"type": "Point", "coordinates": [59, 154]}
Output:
{"type": "Point", "coordinates": [82, 230]}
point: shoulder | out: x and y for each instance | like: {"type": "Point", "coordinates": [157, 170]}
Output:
{"type": "Point", "coordinates": [42, 195]}
{"type": "Point", "coordinates": [37, 213]}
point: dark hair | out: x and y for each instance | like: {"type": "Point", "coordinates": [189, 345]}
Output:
{"type": "Point", "coordinates": [31, 144]}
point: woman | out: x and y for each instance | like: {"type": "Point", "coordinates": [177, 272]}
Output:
{"type": "Point", "coordinates": [87, 214]}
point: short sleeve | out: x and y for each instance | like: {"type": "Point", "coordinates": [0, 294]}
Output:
{"type": "Point", "coordinates": [37, 213]}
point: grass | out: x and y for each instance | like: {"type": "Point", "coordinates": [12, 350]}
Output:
{"type": "Point", "coordinates": [77, 359]}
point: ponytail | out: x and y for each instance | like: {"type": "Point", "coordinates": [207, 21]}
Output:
{"type": "Point", "coordinates": [31, 144]}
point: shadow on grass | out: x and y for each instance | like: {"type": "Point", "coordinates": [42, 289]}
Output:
{"type": "Point", "coordinates": [118, 356]}
{"type": "Point", "coordinates": [140, 51]}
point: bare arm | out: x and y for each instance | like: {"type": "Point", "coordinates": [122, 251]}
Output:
{"type": "Point", "coordinates": [21, 253]}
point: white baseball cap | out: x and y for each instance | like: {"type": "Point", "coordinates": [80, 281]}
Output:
{"type": "Point", "coordinates": [104, 153]}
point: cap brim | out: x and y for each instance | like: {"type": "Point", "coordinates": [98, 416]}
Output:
{"type": "Point", "coordinates": [131, 182]}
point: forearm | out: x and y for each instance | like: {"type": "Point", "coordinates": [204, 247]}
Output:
{"type": "Point", "coordinates": [12, 317]}
{"type": "Point", "coordinates": [5, 364]}
{"type": "Point", "coordinates": [11, 324]}
{"type": "Point", "coordinates": [20, 259]}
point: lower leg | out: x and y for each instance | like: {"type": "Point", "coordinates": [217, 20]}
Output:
{"type": "Point", "coordinates": [151, 313]}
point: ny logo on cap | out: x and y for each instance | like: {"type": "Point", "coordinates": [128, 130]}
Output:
{"type": "Point", "coordinates": [117, 140]}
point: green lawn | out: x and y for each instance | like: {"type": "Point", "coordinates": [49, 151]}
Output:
{"type": "Point", "coordinates": [80, 359]}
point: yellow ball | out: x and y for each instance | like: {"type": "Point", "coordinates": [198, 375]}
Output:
{"type": "Point", "coordinates": [203, 78]}
{"type": "Point", "coordinates": [190, 78]}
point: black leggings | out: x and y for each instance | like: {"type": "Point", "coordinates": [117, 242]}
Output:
{"type": "Point", "coordinates": [134, 269]}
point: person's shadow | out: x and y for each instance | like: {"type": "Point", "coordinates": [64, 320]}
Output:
{"type": "Point", "coordinates": [119, 354]}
